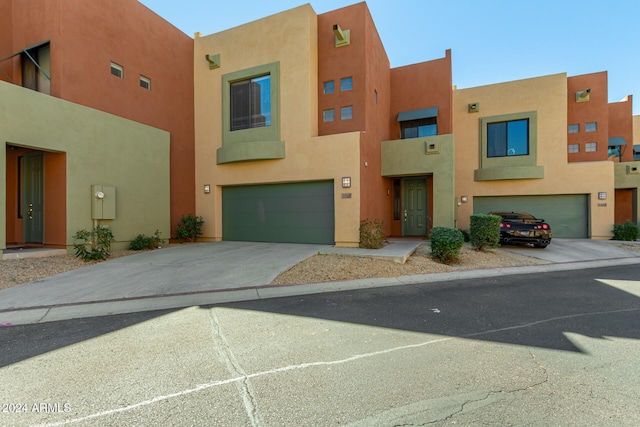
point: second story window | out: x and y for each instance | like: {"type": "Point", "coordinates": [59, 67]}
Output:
{"type": "Point", "coordinates": [251, 103]}
{"type": "Point", "coordinates": [328, 87]}
{"type": "Point", "coordinates": [346, 83]}
{"type": "Point", "coordinates": [346, 113]}
{"type": "Point", "coordinates": [145, 83]}
{"type": "Point", "coordinates": [590, 127]}
{"type": "Point", "coordinates": [508, 138]}
{"type": "Point", "coordinates": [117, 70]}
{"type": "Point", "coordinates": [36, 68]}
{"type": "Point", "coordinates": [328, 115]}
{"type": "Point", "coordinates": [419, 128]}
{"type": "Point", "coordinates": [574, 128]}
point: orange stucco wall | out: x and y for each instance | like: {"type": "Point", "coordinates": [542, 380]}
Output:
{"type": "Point", "coordinates": [594, 110]}
{"type": "Point", "coordinates": [366, 61]}
{"type": "Point", "coordinates": [424, 85]}
{"type": "Point", "coordinates": [85, 37]}
{"type": "Point", "coordinates": [621, 125]}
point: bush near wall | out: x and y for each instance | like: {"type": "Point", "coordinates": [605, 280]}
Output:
{"type": "Point", "coordinates": [446, 244]}
{"type": "Point", "coordinates": [485, 231]}
{"type": "Point", "coordinates": [371, 234]}
{"type": "Point", "coordinates": [628, 231]}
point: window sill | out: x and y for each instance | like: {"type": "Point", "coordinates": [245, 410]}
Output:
{"type": "Point", "coordinates": [505, 173]}
{"type": "Point", "coordinates": [247, 151]}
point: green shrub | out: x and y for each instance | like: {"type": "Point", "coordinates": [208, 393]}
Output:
{"type": "Point", "coordinates": [189, 227]}
{"type": "Point", "coordinates": [628, 231]}
{"type": "Point", "coordinates": [94, 244]}
{"type": "Point", "coordinates": [371, 234]}
{"type": "Point", "coordinates": [446, 244]}
{"type": "Point", "coordinates": [142, 242]}
{"type": "Point", "coordinates": [485, 231]}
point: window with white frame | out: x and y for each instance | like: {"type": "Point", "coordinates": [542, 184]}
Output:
{"type": "Point", "coordinates": [145, 82]}
{"type": "Point", "coordinates": [117, 70]}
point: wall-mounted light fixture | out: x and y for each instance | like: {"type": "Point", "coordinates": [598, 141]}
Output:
{"type": "Point", "coordinates": [464, 199]}
{"type": "Point", "coordinates": [213, 60]}
{"type": "Point", "coordinates": [474, 107]}
{"type": "Point", "coordinates": [207, 188]}
{"type": "Point", "coordinates": [602, 195]}
{"type": "Point", "coordinates": [343, 37]}
{"type": "Point", "coordinates": [583, 95]}
{"type": "Point", "coordinates": [346, 182]}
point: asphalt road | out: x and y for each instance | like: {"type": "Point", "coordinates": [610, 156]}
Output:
{"type": "Point", "coordinates": [534, 349]}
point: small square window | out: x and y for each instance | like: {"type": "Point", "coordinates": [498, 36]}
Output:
{"type": "Point", "coordinates": [346, 113]}
{"type": "Point", "coordinates": [574, 148]}
{"type": "Point", "coordinates": [574, 128]}
{"type": "Point", "coordinates": [346, 83]}
{"type": "Point", "coordinates": [145, 83]}
{"type": "Point", "coordinates": [117, 70]}
{"type": "Point", "coordinates": [590, 127]}
{"type": "Point", "coordinates": [328, 87]}
{"type": "Point", "coordinates": [590, 147]}
{"type": "Point", "coordinates": [328, 115]}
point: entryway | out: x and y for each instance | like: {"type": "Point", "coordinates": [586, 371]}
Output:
{"type": "Point", "coordinates": [414, 206]}
{"type": "Point", "coordinates": [32, 197]}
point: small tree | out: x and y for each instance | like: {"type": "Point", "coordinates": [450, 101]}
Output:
{"type": "Point", "coordinates": [446, 244]}
{"type": "Point", "coordinates": [189, 227]}
{"type": "Point", "coordinates": [94, 244]}
{"type": "Point", "coordinates": [485, 231]}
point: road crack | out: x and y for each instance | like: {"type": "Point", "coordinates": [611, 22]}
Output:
{"type": "Point", "coordinates": [226, 356]}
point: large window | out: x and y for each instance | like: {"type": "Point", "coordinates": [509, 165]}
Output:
{"type": "Point", "coordinates": [251, 103]}
{"type": "Point", "coordinates": [419, 128]}
{"type": "Point", "coordinates": [508, 138]}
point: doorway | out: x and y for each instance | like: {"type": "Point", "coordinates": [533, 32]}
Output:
{"type": "Point", "coordinates": [415, 207]}
{"type": "Point", "coordinates": [32, 197]}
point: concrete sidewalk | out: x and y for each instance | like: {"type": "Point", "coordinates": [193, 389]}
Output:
{"type": "Point", "coordinates": [218, 272]}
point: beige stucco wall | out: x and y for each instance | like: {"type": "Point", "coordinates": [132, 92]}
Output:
{"type": "Point", "coordinates": [100, 149]}
{"type": "Point", "coordinates": [548, 97]}
{"type": "Point", "coordinates": [289, 38]}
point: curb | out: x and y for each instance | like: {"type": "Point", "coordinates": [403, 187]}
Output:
{"type": "Point", "coordinates": [53, 313]}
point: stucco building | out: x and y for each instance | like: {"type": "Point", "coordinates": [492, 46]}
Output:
{"type": "Point", "coordinates": [291, 128]}
{"type": "Point", "coordinates": [89, 104]}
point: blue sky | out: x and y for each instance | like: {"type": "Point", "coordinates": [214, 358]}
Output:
{"type": "Point", "coordinates": [491, 41]}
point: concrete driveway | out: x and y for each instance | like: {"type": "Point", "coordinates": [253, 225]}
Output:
{"type": "Point", "coordinates": [577, 250]}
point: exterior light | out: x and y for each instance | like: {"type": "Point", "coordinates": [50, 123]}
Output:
{"type": "Point", "coordinates": [207, 188]}
{"type": "Point", "coordinates": [346, 182]}
{"type": "Point", "coordinates": [464, 199]}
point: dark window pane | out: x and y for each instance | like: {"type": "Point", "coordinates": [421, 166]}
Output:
{"type": "Point", "coordinates": [251, 103]}
{"type": "Point", "coordinates": [497, 139]}
{"type": "Point", "coordinates": [427, 130]}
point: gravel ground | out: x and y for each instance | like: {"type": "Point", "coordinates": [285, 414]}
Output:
{"type": "Point", "coordinates": [316, 269]}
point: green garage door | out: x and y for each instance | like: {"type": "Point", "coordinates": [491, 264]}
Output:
{"type": "Point", "coordinates": [285, 213]}
{"type": "Point", "coordinates": [568, 215]}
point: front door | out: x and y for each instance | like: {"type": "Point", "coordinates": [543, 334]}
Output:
{"type": "Point", "coordinates": [414, 207]}
{"type": "Point", "coordinates": [33, 198]}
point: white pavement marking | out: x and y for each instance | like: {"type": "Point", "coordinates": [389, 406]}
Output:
{"type": "Point", "coordinates": [333, 362]}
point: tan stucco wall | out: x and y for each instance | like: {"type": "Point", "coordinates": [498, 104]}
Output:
{"type": "Point", "coordinates": [548, 97]}
{"type": "Point", "coordinates": [100, 149]}
{"type": "Point", "coordinates": [289, 38]}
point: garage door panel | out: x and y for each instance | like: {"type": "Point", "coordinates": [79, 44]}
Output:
{"type": "Point", "coordinates": [291, 213]}
{"type": "Point", "coordinates": [568, 215]}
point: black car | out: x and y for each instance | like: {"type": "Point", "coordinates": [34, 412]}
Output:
{"type": "Point", "coordinates": [521, 227]}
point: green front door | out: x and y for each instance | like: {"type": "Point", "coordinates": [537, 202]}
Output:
{"type": "Point", "coordinates": [414, 207]}
{"type": "Point", "coordinates": [33, 198]}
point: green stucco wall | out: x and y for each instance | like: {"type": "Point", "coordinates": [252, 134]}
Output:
{"type": "Point", "coordinates": [100, 149]}
{"type": "Point", "coordinates": [426, 156]}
